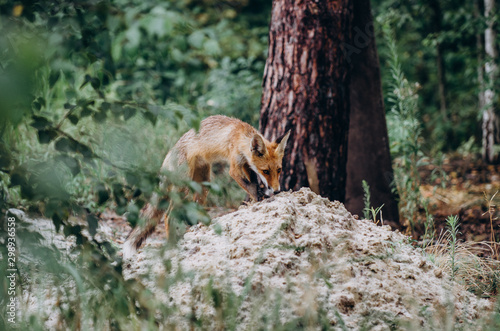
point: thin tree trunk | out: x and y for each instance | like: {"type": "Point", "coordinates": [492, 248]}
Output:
{"type": "Point", "coordinates": [480, 58]}
{"type": "Point", "coordinates": [441, 73]}
{"type": "Point", "coordinates": [369, 156]}
{"type": "Point", "coordinates": [441, 81]}
{"type": "Point", "coordinates": [490, 119]}
{"type": "Point", "coordinates": [306, 82]}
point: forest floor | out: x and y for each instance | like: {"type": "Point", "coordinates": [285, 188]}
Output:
{"type": "Point", "coordinates": [469, 191]}
{"type": "Point", "coordinates": [371, 277]}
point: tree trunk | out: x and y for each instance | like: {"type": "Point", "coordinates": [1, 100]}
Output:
{"type": "Point", "coordinates": [441, 73]}
{"type": "Point", "coordinates": [490, 119]}
{"type": "Point", "coordinates": [480, 58]}
{"type": "Point", "coordinates": [369, 156]}
{"type": "Point", "coordinates": [306, 82]}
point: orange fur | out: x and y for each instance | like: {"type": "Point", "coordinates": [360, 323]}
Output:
{"type": "Point", "coordinates": [228, 139]}
{"type": "Point", "coordinates": [254, 163]}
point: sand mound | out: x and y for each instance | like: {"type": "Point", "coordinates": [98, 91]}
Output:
{"type": "Point", "coordinates": [298, 254]}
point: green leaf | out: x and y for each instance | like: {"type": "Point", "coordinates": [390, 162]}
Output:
{"type": "Point", "coordinates": [40, 123]}
{"type": "Point", "coordinates": [86, 81]}
{"type": "Point", "coordinates": [99, 117]}
{"type": "Point", "coordinates": [85, 102]}
{"type": "Point", "coordinates": [70, 94]}
{"type": "Point", "coordinates": [46, 136]}
{"type": "Point", "coordinates": [111, 250]}
{"type": "Point", "coordinates": [70, 162]}
{"type": "Point", "coordinates": [27, 191]}
{"type": "Point", "coordinates": [16, 179]}
{"type": "Point", "coordinates": [75, 230]}
{"type": "Point", "coordinates": [102, 194]}
{"type": "Point", "coordinates": [85, 112]}
{"type": "Point", "coordinates": [41, 100]}
{"type": "Point", "coordinates": [128, 112]}
{"type": "Point", "coordinates": [105, 106]}
{"type": "Point", "coordinates": [96, 83]}
{"type": "Point", "coordinates": [133, 36]}
{"type": "Point", "coordinates": [218, 229]}
{"type": "Point", "coordinates": [151, 117]}
{"type": "Point", "coordinates": [65, 144]}
{"type": "Point", "coordinates": [116, 109]}
{"type": "Point", "coordinates": [36, 105]}
{"type": "Point", "coordinates": [163, 204]}
{"type": "Point", "coordinates": [92, 57]}
{"type": "Point", "coordinates": [83, 149]}
{"type": "Point", "coordinates": [211, 47]}
{"type": "Point", "coordinates": [133, 213]}
{"type": "Point", "coordinates": [54, 77]}
{"type": "Point", "coordinates": [195, 187]}
{"type": "Point", "coordinates": [196, 39]}
{"type": "Point", "coordinates": [92, 222]}
{"type": "Point", "coordinates": [5, 157]}
{"type": "Point", "coordinates": [137, 193]}
{"type": "Point", "coordinates": [132, 178]}
{"type": "Point", "coordinates": [119, 194]}
{"type": "Point", "coordinates": [73, 119]}
{"type": "Point", "coordinates": [120, 210]}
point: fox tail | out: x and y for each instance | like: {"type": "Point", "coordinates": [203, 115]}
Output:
{"type": "Point", "coordinates": [150, 214]}
{"type": "Point", "coordinates": [151, 217]}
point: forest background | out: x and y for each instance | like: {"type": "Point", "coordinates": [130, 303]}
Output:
{"type": "Point", "coordinates": [93, 94]}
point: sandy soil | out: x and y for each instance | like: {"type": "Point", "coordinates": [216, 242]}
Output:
{"type": "Point", "coordinates": [296, 253]}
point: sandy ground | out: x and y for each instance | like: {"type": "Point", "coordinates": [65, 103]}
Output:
{"type": "Point", "coordinates": [296, 253]}
{"type": "Point", "coordinates": [280, 260]}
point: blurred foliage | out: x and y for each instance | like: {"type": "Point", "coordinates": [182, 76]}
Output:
{"type": "Point", "coordinates": [415, 30]}
{"type": "Point", "coordinates": [92, 95]}
{"type": "Point", "coordinates": [404, 133]}
{"type": "Point", "coordinates": [88, 88]}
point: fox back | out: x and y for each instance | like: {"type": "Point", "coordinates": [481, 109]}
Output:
{"type": "Point", "coordinates": [222, 138]}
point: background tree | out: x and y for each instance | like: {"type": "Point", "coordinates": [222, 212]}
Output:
{"type": "Point", "coordinates": [480, 55]}
{"type": "Point", "coordinates": [368, 156]}
{"type": "Point", "coordinates": [436, 27]}
{"type": "Point", "coordinates": [305, 90]}
{"type": "Point", "coordinates": [490, 118]}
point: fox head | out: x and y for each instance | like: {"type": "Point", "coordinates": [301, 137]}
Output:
{"type": "Point", "coordinates": [266, 161]}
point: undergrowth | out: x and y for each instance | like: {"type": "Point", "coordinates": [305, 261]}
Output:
{"type": "Point", "coordinates": [468, 263]}
{"type": "Point", "coordinates": [404, 133]}
{"type": "Point", "coordinates": [474, 265]}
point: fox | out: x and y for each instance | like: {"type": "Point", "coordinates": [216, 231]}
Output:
{"type": "Point", "coordinates": [255, 163]}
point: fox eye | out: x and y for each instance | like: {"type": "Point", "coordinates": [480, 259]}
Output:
{"type": "Point", "coordinates": [266, 172]}
{"type": "Point", "coordinates": [279, 170]}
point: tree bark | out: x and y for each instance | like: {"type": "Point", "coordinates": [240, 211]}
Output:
{"type": "Point", "coordinates": [490, 118]}
{"type": "Point", "coordinates": [306, 82]}
{"type": "Point", "coordinates": [368, 154]}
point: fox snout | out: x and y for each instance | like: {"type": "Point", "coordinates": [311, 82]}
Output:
{"type": "Point", "coordinates": [267, 192]}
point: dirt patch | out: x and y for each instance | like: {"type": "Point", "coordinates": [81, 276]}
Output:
{"type": "Point", "coordinates": [466, 188]}
{"type": "Point", "coordinates": [297, 254]}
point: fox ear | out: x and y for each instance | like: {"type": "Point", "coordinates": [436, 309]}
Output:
{"type": "Point", "coordinates": [281, 141]}
{"type": "Point", "coordinates": [258, 146]}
